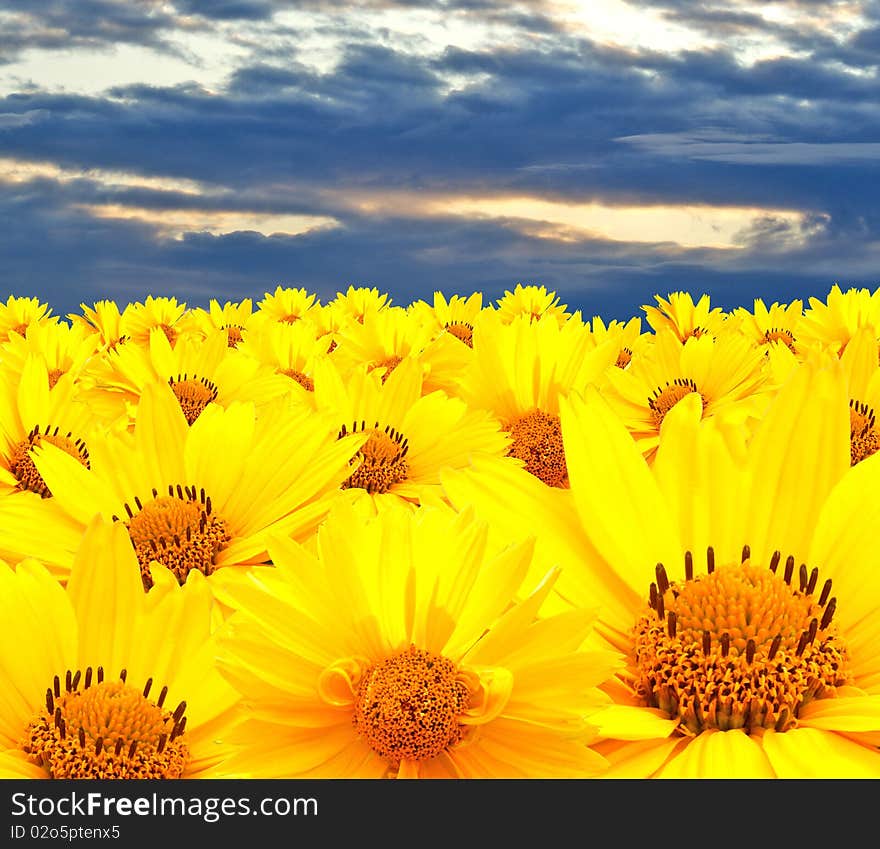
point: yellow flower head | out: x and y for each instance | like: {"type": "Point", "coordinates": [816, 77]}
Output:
{"type": "Point", "coordinates": [99, 682]}
{"type": "Point", "coordinates": [286, 305]}
{"type": "Point", "coordinates": [18, 313]}
{"type": "Point", "coordinates": [399, 648]}
{"type": "Point", "coordinates": [197, 497]}
{"type": "Point", "coordinates": [833, 322]}
{"type": "Point", "coordinates": [679, 313]}
{"type": "Point", "coordinates": [742, 589]}
{"type": "Point", "coordinates": [519, 371]}
{"type": "Point", "coordinates": [104, 319]}
{"type": "Point", "coordinates": [531, 301]}
{"type": "Point", "coordinates": [232, 318]}
{"type": "Point", "coordinates": [140, 318]}
{"type": "Point", "coordinates": [728, 374]}
{"type": "Point", "coordinates": [411, 435]}
{"type": "Point", "coordinates": [32, 412]}
{"type": "Point", "coordinates": [771, 326]}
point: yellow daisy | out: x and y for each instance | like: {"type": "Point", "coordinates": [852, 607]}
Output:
{"type": "Point", "coordinates": [200, 370]}
{"type": "Point", "coordinates": [66, 349]}
{"type": "Point", "coordinates": [777, 324]}
{"type": "Point", "coordinates": [455, 315]}
{"type": "Point", "coordinates": [232, 317]}
{"type": "Point", "coordinates": [18, 313]}
{"type": "Point", "coordinates": [742, 589]}
{"type": "Point", "coordinates": [380, 341]}
{"type": "Point", "coordinates": [531, 301]}
{"type": "Point", "coordinates": [627, 337]}
{"type": "Point", "coordinates": [291, 349]}
{"type": "Point", "coordinates": [356, 302]}
{"type": "Point", "coordinates": [398, 649]}
{"type": "Point", "coordinates": [727, 373]}
{"type": "Point", "coordinates": [99, 683]}
{"type": "Point", "coordinates": [286, 305]}
{"type": "Point", "coordinates": [519, 371]}
{"type": "Point", "coordinates": [103, 318]}
{"type": "Point", "coordinates": [679, 313]}
{"type": "Point", "coordinates": [198, 497]}
{"type": "Point", "coordinates": [411, 435]}
{"type": "Point", "coordinates": [140, 318]}
{"type": "Point", "coordinates": [32, 412]}
{"type": "Point", "coordinates": [862, 371]}
{"type": "Point", "coordinates": [834, 321]}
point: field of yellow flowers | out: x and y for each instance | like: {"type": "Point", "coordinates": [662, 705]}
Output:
{"type": "Point", "coordinates": [281, 538]}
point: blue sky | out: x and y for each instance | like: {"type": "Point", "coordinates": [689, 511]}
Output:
{"type": "Point", "coordinates": [608, 150]}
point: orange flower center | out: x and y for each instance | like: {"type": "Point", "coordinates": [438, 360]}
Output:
{"type": "Point", "coordinates": [92, 728]}
{"type": "Point", "coordinates": [179, 530]}
{"type": "Point", "coordinates": [624, 358]}
{"type": "Point", "coordinates": [666, 397]}
{"type": "Point", "coordinates": [742, 646]}
{"type": "Point", "coordinates": [382, 459]}
{"type": "Point", "coordinates": [463, 331]}
{"type": "Point", "coordinates": [864, 438]}
{"type": "Point", "coordinates": [233, 334]}
{"type": "Point", "coordinates": [408, 706]}
{"type": "Point", "coordinates": [537, 441]}
{"type": "Point", "coordinates": [193, 394]}
{"type": "Point", "coordinates": [22, 466]}
{"type": "Point", "coordinates": [778, 334]}
{"type": "Point", "coordinates": [388, 364]}
{"type": "Point", "coordinates": [170, 333]}
{"type": "Point", "coordinates": [302, 379]}
{"type": "Point", "coordinates": [54, 376]}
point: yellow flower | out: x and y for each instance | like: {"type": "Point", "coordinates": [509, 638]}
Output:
{"type": "Point", "coordinates": [357, 302]}
{"type": "Point", "coordinates": [197, 497]}
{"type": "Point", "coordinates": [66, 349]}
{"type": "Point", "coordinates": [680, 314]}
{"type": "Point", "coordinates": [290, 349]}
{"type": "Point", "coordinates": [726, 373]}
{"type": "Point", "coordinates": [742, 589]}
{"type": "Point", "coordinates": [286, 305]}
{"type": "Point", "coordinates": [32, 412]}
{"type": "Point", "coordinates": [398, 649]}
{"type": "Point", "coordinates": [140, 318]}
{"type": "Point", "coordinates": [627, 337]}
{"type": "Point", "coordinates": [833, 322]}
{"type": "Point", "coordinates": [519, 371]}
{"type": "Point", "coordinates": [104, 318]}
{"type": "Point", "coordinates": [455, 316]}
{"type": "Point", "coordinates": [531, 301]}
{"type": "Point", "coordinates": [18, 313]}
{"type": "Point", "coordinates": [200, 370]}
{"type": "Point", "coordinates": [861, 366]}
{"type": "Point", "coordinates": [233, 318]}
{"type": "Point", "coordinates": [777, 324]}
{"type": "Point", "coordinates": [410, 436]}
{"type": "Point", "coordinates": [99, 682]}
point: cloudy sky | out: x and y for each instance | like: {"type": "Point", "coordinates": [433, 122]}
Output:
{"type": "Point", "coordinates": [608, 150]}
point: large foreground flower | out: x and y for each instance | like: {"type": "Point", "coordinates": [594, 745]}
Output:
{"type": "Point", "coordinates": [742, 591]}
{"type": "Point", "coordinates": [398, 649]}
{"type": "Point", "coordinates": [197, 497]}
{"type": "Point", "coordinates": [100, 682]}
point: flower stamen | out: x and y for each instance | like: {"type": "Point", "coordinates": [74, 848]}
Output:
{"type": "Point", "coordinates": [92, 727]}
{"type": "Point", "coordinates": [742, 646]}
{"type": "Point", "coordinates": [179, 530]}
{"type": "Point", "coordinates": [22, 466]}
{"type": "Point", "coordinates": [537, 441]}
{"type": "Point", "coordinates": [382, 459]}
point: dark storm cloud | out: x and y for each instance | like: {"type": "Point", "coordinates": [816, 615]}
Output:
{"type": "Point", "coordinates": [65, 24]}
{"type": "Point", "coordinates": [561, 119]}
